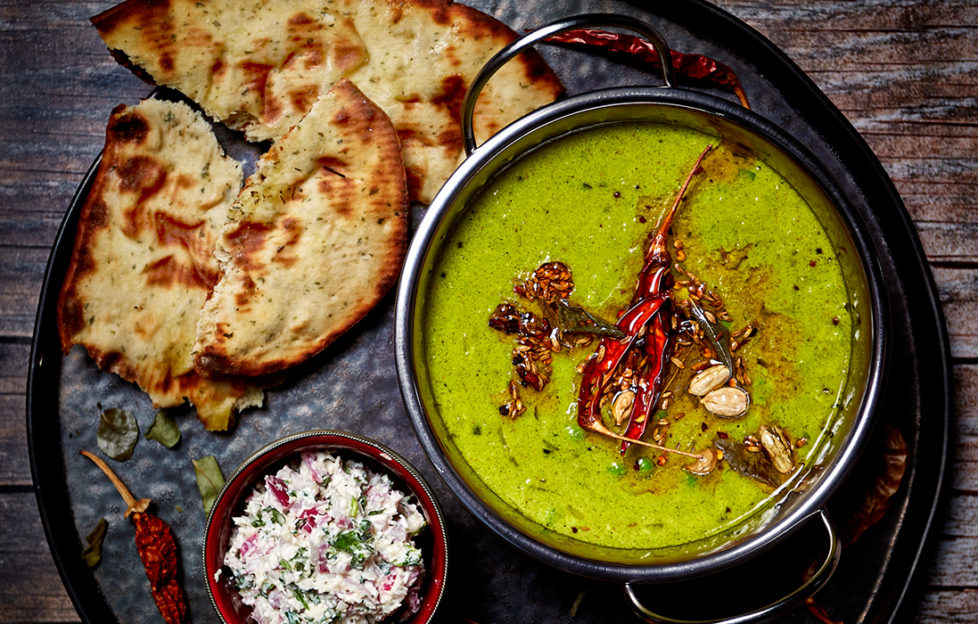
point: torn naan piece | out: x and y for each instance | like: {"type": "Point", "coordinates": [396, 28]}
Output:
{"type": "Point", "coordinates": [423, 54]}
{"type": "Point", "coordinates": [315, 240]}
{"type": "Point", "coordinates": [143, 261]}
{"type": "Point", "coordinates": [258, 65]}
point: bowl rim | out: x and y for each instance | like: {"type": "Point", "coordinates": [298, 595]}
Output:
{"type": "Point", "coordinates": [832, 476]}
{"type": "Point", "coordinates": [436, 574]}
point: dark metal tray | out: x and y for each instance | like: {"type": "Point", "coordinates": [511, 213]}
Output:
{"type": "Point", "coordinates": [353, 386]}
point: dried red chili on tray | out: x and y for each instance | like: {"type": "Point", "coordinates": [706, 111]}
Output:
{"type": "Point", "coordinates": [693, 67]}
{"type": "Point", "coordinates": [157, 549]}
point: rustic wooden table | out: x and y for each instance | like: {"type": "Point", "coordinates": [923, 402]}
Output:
{"type": "Point", "coordinates": [904, 72]}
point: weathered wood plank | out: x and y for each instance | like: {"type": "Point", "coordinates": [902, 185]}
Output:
{"type": "Point", "coordinates": [963, 470]}
{"type": "Point", "coordinates": [30, 587]}
{"type": "Point", "coordinates": [906, 75]}
{"type": "Point", "coordinates": [21, 275]}
{"type": "Point", "coordinates": [15, 469]}
{"type": "Point", "coordinates": [960, 524]}
{"type": "Point", "coordinates": [945, 607]}
{"type": "Point", "coordinates": [958, 293]}
{"type": "Point", "coordinates": [952, 562]}
{"type": "Point", "coordinates": [949, 242]}
{"type": "Point", "coordinates": [966, 400]}
{"type": "Point", "coordinates": [947, 589]}
{"type": "Point", "coordinates": [13, 367]}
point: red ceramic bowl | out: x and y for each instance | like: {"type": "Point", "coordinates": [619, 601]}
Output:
{"type": "Point", "coordinates": [432, 540]}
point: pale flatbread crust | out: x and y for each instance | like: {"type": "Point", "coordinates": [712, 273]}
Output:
{"type": "Point", "coordinates": [258, 65]}
{"type": "Point", "coordinates": [143, 261]}
{"type": "Point", "coordinates": [422, 56]}
{"type": "Point", "coordinates": [314, 241]}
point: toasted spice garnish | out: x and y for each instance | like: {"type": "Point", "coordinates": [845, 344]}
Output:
{"type": "Point", "coordinates": [705, 463]}
{"type": "Point", "coordinates": [551, 282]}
{"type": "Point", "coordinates": [539, 337]}
{"type": "Point", "coordinates": [532, 353]}
{"type": "Point", "coordinates": [514, 407]}
{"type": "Point", "coordinates": [726, 402]}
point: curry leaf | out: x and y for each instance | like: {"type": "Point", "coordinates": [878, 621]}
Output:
{"type": "Point", "coordinates": [720, 346]}
{"type": "Point", "coordinates": [93, 553]}
{"type": "Point", "coordinates": [210, 479]}
{"type": "Point", "coordinates": [576, 320]}
{"type": "Point", "coordinates": [164, 430]}
{"type": "Point", "coordinates": [117, 433]}
{"type": "Point", "coordinates": [754, 465]}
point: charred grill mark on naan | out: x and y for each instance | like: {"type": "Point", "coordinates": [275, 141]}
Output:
{"type": "Point", "coordinates": [314, 241]}
{"type": "Point", "coordinates": [143, 262]}
{"type": "Point", "coordinates": [259, 66]}
{"type": "Point", "coordinates": [423, 56]}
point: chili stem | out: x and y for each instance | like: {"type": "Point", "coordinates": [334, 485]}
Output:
{"type": "Point", "coordinates": [132, 504]}
{"type": "Point", "coordinates": [666, 449]}
{"type": "Point", "coordinates": [689, 176]}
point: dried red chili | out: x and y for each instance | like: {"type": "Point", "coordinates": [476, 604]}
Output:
{"type": "Point", "coordinates": [693, 67]}
{"type": "Point", "coordinates": [157, 549]}
{"type": "Point", "coordinates": [648, 318]}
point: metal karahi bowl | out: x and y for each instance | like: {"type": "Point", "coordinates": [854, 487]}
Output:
{"type": "Point", "coordinates": [433, 539]}
{"type": "Point", "coordinates": [730, 123]}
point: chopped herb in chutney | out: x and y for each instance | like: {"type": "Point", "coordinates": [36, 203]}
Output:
{"type": "Point", "coordinates": [326, 541]}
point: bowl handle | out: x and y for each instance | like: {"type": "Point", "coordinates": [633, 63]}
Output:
{"type": "Point", "coordinates": [588, 20]}
{"type": "Point", "coordinates": [807, 589]}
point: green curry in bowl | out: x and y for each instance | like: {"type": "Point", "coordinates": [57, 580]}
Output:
{"type": "Point", "coordinates": [742, 393]}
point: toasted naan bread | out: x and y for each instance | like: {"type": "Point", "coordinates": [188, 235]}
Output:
{"type": "Point", "coordinates": [313, 242]}
{"type": "Point", "coordinates": [258, 65]}
{"type": "Point", "coordinates": [143, 261]}
{"type": "Point", "coordinates": [423, 54]}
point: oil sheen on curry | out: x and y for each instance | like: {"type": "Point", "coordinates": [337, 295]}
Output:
{"type": "Point", "coordinates": [636, 336]}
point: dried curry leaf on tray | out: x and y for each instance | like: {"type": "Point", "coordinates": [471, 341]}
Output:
{"type": "Point", "coordinates": [164, 430]}
{"type": "Point", "coordinates": [93, 552]}
{"type": "Point", "coordinates": [210, 480]}
{"type": "Point", "coordinates": [118, 432]}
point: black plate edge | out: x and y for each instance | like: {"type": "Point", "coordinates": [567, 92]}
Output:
{"type": "Point", "coordinates": [63, 539]}
{"type": "Point", "coordinates": [805, 96]}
